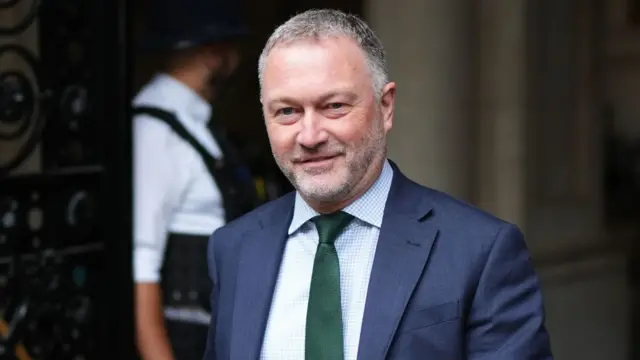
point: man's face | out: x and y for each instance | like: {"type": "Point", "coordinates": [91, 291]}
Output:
{"type": "Point", "coordinates": [326, 126]}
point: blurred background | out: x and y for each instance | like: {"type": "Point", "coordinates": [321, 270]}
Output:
{"type": "Point", "coordinates": [528, 109]}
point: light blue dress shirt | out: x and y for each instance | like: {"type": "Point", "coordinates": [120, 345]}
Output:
{"type": "Point", "coordinates": [285, 332]}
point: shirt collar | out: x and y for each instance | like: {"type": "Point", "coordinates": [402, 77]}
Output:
{"type": "Point", "coordinates": [368, 208]}
{"type": "Point", "coordinates": [183, 98]}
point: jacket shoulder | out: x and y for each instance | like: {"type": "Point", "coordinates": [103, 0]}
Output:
{"type": "Point", "coordinates": [253, 219]}
{"type": "Point", "coordinates": [456, 215]}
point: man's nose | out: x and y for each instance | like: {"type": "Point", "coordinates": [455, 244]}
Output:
{"type": "Point", "coordinates": [312, 133]}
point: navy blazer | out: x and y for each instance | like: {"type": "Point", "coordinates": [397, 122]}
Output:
{"type": "Point", "coordinates": [449, 281]}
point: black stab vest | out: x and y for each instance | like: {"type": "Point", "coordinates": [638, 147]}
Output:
{"type": "Point", "coordinates": [184, 276]}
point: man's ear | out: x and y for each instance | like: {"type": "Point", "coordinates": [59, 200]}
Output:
{"type": "Point", "coordinates": [387, 104]}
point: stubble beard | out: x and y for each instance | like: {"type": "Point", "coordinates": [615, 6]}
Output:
{"type": "Point", "coordinates": [323, 186]}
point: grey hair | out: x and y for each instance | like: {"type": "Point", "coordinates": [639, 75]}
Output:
{"type": "Point", "coordinates": [317, 24]}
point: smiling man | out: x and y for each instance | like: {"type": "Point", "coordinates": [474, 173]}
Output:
{"type": "Point", "coordinates": [360, 262]}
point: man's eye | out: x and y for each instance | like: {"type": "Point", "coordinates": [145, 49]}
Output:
{"type": "Point", "coordinates": [335, 106]}
{"type": "Point", "coordinates": [285, 111]}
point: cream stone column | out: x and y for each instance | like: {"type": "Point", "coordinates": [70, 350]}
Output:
{"type": "Point", "coordinates": [501, 109]}
{"type": "Point", "coordinates": [429, 52]}
{"type": "Point", "coordinates": [539, 154]}
{"type": "Point", "coordinates": [540, 164]}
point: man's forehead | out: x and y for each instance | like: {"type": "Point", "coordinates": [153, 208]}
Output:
{"type": "Point", "coordinates": [311, 70]}
{"type": "Point", "coordinates": [346, 92]}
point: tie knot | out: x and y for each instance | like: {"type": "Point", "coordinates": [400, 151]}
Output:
{"type": "Point", "coordinates": [331, 225]}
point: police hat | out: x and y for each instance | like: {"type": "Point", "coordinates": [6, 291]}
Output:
{"type": "Point", "coordinates": [180, 24]}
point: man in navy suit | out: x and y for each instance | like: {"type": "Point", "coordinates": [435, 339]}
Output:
{"type": "Point", "coordinates": [360, 262]}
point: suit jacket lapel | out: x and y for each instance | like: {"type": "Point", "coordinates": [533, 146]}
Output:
{"type": "Point", "coordinates": [258, 267]}
{"type": "Point", "coordinates": [404, 245]}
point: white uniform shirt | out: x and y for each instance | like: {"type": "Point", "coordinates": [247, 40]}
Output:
{"type": "Point", "coordinates": [356, 246]}
{"type": "Point", "coordinates": [173, 191]}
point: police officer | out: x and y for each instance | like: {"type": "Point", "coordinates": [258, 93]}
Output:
{"type": "Point", "coordinates": [188, 179]}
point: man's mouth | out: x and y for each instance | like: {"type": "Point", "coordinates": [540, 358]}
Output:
{"type": "Point", "coordinates": [317, 159]}
{"type": "Point", "coordinates": [316, 163]}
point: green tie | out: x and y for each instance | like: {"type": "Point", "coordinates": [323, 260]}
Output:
{"type": "Point", "coordinates": [324, 339]}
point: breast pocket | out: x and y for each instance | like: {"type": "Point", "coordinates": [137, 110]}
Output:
{"type": "Point", "coordinates": [430, 316]}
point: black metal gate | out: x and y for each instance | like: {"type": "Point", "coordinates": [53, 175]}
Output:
{"type": "Point", "coordinates": [65, 197]}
